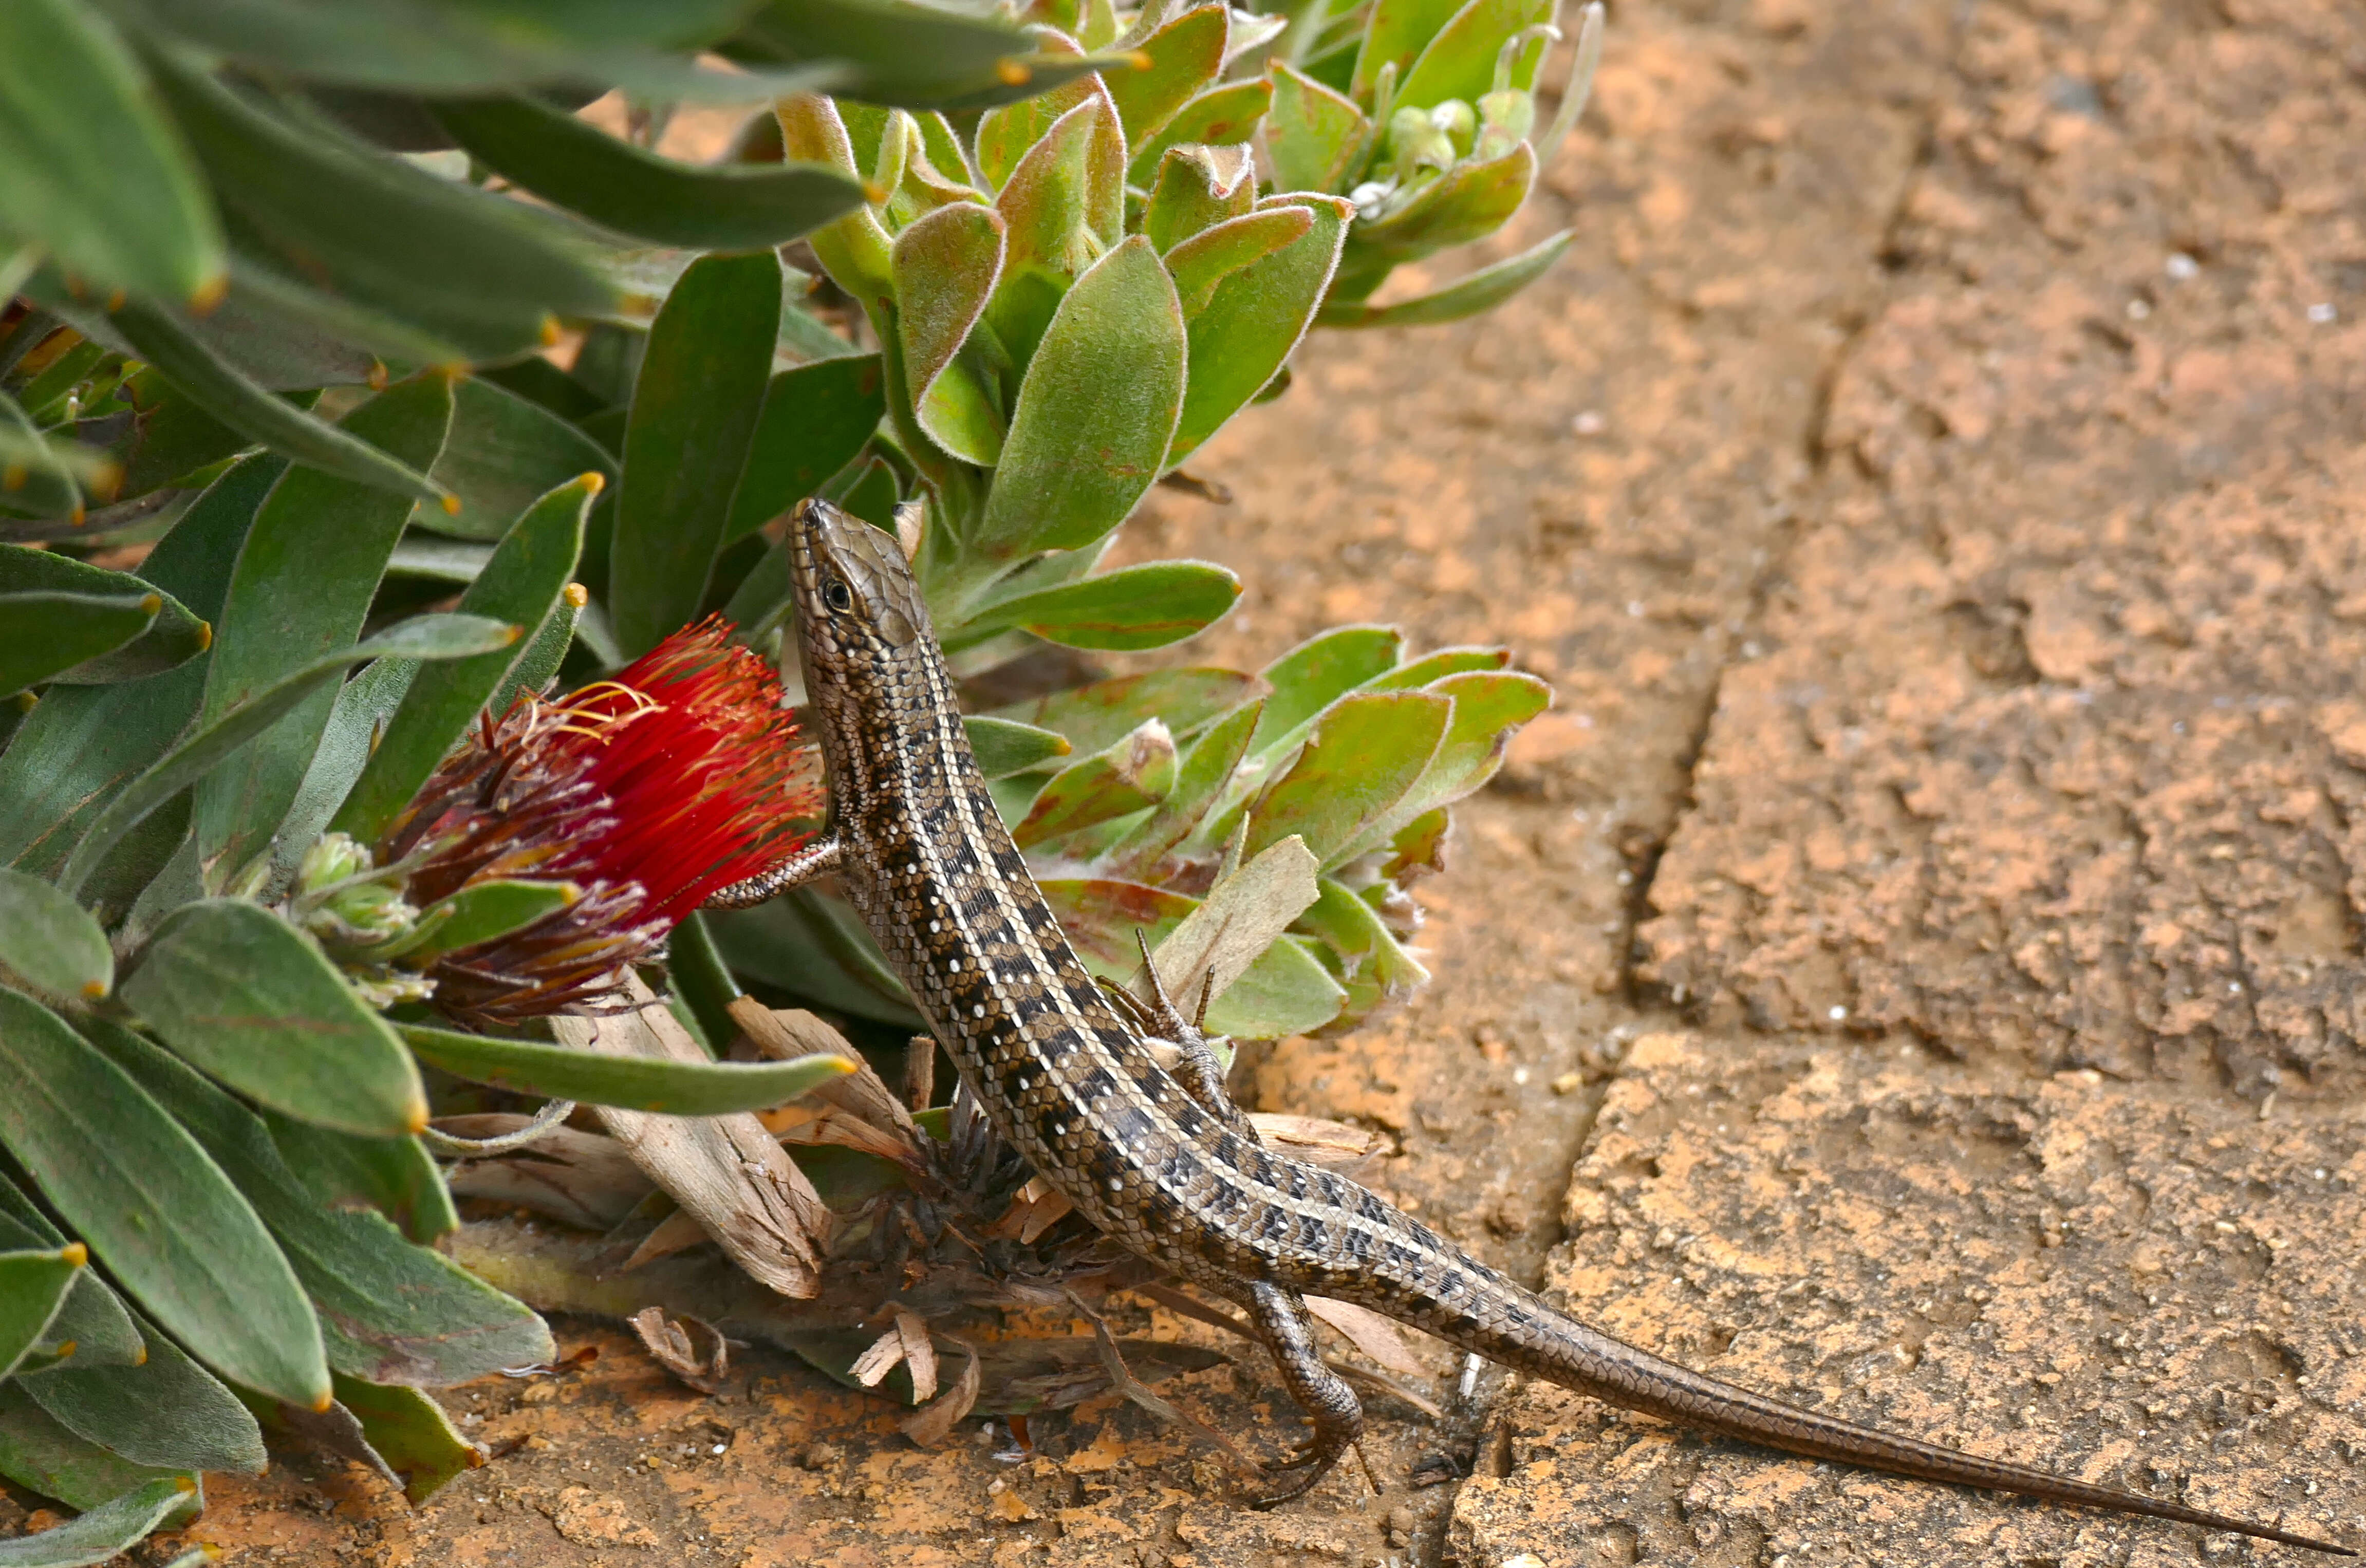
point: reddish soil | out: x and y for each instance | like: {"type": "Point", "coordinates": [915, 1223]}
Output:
{"type": "Point", "coordinates": [1916, 967]}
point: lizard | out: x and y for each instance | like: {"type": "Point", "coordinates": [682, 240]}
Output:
{"type": "Point", "coordinates": [1158, 1160]}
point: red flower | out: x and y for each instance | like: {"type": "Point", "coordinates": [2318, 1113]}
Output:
{"type": "Point", "coordinates": [650, 790]}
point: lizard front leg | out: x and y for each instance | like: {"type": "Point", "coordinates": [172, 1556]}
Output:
{"type": "Point", "coordinates": [815, 859]}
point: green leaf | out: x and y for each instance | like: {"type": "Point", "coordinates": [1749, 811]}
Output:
{"type": "Point", "coordinates": [726, 207]}
{"type": "Point", "coordinates": [34, 478]}
{"type": "Point", "coordinates": [1132, 775]}
{"type": "Point", "coordinates": [1488, 707]}
{"type": "Point", "coordinates": [390, 1312]}
{"type": "Point", "coordinates": [1197, 186]}
{"type": "Point", "coordinates": [815, 421]}
{"type": "Point", "coordinates": [103, 1532]}
{"type": "Point", "coordinates": [167, 1411]}
{"type": "Point", "coordinates": [480, 271]}
{"type": "Point", "coordinates": [43, 635]}
{"type": "Point", "coordinates": [197, 756]}
{"type": "Point", "coordinates": [1135, 607]}
{"type": "Point", "coordinates": [171, 436]}
{"type": "Point", "coordinates": [946, 265]}
{"type": "Point", "coordinates": [853, 249]}
{"type": "Point", "coordinates": [1185, 55]}
{"type": "Point", "coordinates": [394, 1176]}
{"type": "Point", "coordinates": [538, 665]}
{"type": "Point", "coordinates": [175, 635]}
{"type": "Point", "coordinates": [1482, 291]}
{"type": "Point", "coordinates": [1004, 748]}
{"type": "Point", "coordinates": [41, 1453]}
{"type": "Point", "coordinates": [46, 938]}
{"type": "Point", "coordinates": [1377, 972]}
{"type": "Point", "coordinates": [1367, 750]}
{"type": "Point", "coordinates": [1200, 781]}
{"type": "Point", "coordinates": [412, 1434]}
{"type": "Point", "coordinates": [1097, 715]}
{"type": "Point", "coordinates": [1216, 253]}
{"type": "Point", "coordinates": [33, 1288]}
{"type": "Point", "coordinates": [1459, 62]}
{"type": "Point", "coordinates": [1468, 202]}
{"type": "Point", "coordinates": [364, 705]}
{"type": "Point", "coordinates": [1325, 666]}
{"type": "Point", "coordinates": [503, 452]}
{"type": "Point", "coordinates": [1243, 336]}
{"type": "Point", "coordinates": [1220, 117]}
{"type": "Point", "coordinates": [911, 57]}
{"type": "Point", "coordinates": [160, 1215]}
{"type": "Point", "coordinates": [297, 598]}
{"type": "Point", "coordinates": [1284, 991]}
{"type": "Point", "coordinates": [91, 1320]}
{"type": "Point", "coordinates": [1437, 666]}
{"type": "Point", "coordinates": [1313, 135]}
{"type": "Point", "coordinates": [84, 744]}
{"type": "Point", "coordinates": [521, 585]}
{"type": "Point", "coordinates": [235, 398]}
{"type": "Point", "coordinates": [696, 405]}
{"type": "Point", "coordinates": [1062, 210]}
{"type": "Point", "coordinates": [670, 1088]}
{"type": "Point", "coordinates": [89, 170]}
{"type": "Point", "coordinates": [243, 994]}
{"type": "Point", "coordinates": [1007, 135]}
{"type": "Point", "coordinates": [1396, 34]}
{"type": "Point", "coordinates": [1096, 412]}
{"type": "Point", "coordinates": [481, 912]}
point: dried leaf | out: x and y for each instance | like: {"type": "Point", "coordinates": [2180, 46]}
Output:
{"type": "Point", "coordinates": [932, 1424]}
{"type": "Point", "coordinates": [1334, 1145]}
{"type": "Point", "coordinates": [919, 1354]}
{"type": "Point", "coordinates": [873, 1366]}
{"type": "Point", "coordinates": [1241, 916]}
{"type": "Point", "coordinates": [690, 1347]}
{"type": "Point", "coordinates": [1368, 1331]}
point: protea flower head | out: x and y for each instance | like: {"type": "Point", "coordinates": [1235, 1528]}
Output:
{"type": "Point", "coordinates": [648, 791]}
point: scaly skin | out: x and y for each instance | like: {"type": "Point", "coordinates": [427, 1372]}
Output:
{"type": "Point", "coordinates": [1176, 1175]}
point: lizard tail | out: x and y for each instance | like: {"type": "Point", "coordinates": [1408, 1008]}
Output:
{"type": "Point", "coordinates": [1563, 1350]}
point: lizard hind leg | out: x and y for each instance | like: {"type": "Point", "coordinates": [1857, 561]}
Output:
{"type": "Point", "coordinates": [1280, 1318]}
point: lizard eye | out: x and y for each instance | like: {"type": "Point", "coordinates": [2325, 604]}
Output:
{"type": "Point", "coordinates": [835, 594]}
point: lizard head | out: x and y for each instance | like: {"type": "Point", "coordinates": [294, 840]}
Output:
{"type": "Point", "coordinates": [857, 603]}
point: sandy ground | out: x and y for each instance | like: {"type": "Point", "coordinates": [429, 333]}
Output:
{"type": "Point", "coordinates": [1914, 970]}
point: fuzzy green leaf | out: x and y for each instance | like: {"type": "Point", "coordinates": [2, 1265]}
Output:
{"type": "Point", "coordinates": [41, 1453]}
{"type": "Point", "coordinates": [1395, 35]}
{"type": "Point", "coordinates": [1325, 666]}
{"type": "Point", "coordinates": [1200, 781]}
{"type": "Point", "coordinates": [1097, 715]}
{"type": "Point", "coordinates": [412, 1434]}
{"type": "Point", "coordinates": [294, 598]}
{"type": "Point", "coordinates": [1312, 134]}
{"type": "Point", "coordinates": [43, 635]}
{"type": "Point", "coordinates": [521, 585]}
{"type": "Point", "coordinates": [483, 911]}
{"type": "Point", "coordinates": [1480, 292]}
{"type": "Point", "coordinates": [946, 265]}
{"type": "Point", "coordinates": [1459, 62]}
{"type": "Point", "coordinates": [1130, 776]}
{"type": "Point", "coordinates": [815, 421]}
{"type": "Point", "coordinates": [1367, 750]}
{"type": "Point", "coordinates": [810, 944]}
{"type": "Point", "coordinates": [158, 1213]}
{"type": "Point", "coordinates": [48, 940]}
{"type": "Point", "coordinates": [1216, 253]}
{"type": "Point", "coordinates": [167, 1411]}
{"type": "Point", "coordinates": [1245, 333]}
{"type": "Point", "coordinates": [33, 1288]}
{"type": "Point", "coordinates": [241, 993]}
{"type": "Point", "coordinates": [394, 1176]}
{"type": "Point", "coordinates": [390, 1311]}
{"type": "Point", "coordinates": [1284, 991]}
{"type": "Point", "coordinates": [1489, 706]}
{"type": "Point", "coordinates": [1376, 971]}
{"type": "Point", "coordinates": [173, 636]}
{"type": "Point", "coordinates": [1096, 412]}
{"type": "Point", "coordinates": [1005, 748]}
{"type": "Point", "coordinates": [103, 1532]}
{"type": "Point", "coordinates": [669, 1088]}
{"type": "Point", "coordinates": [92, 1320]}
{"type": "Point", "coordinates": [1185, 55]}
{"type": "Point", "coordinates": [1135, 607]}
{"type": "Point", "coordinates": [89, 169]}
{"type": "Point", "coordinates": [84, 744]}
{"type": "Point", "coordinates": [695, 407]}
{"type": "Point", "coordinates": [853, 249]}
{"type": "Point", "coordinates": [726, 207]}
{"type": "Point", "coordinates": [227, 393]}
{"type": "Point", "coordinates": [1437, 666]}
{"type": "Point", "coordinates": [197, 756]}
{"type": "Point", "coordinates": [1060, 207]}
{"type": "Point", "coordinates": [1468, 202]}
{"type": "Point", "coordinates": [1220, 117]}
{"type": "Point", "coordinates": [502, 453]}
{"type": "Point", "coordinates": [1006, 135]}
{"type": "Point", "coordinates": [1197, 186]}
